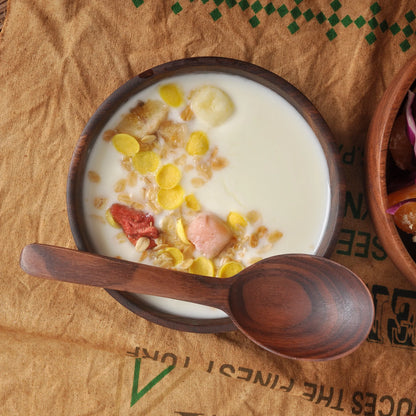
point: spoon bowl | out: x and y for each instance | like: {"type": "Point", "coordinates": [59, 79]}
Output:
{"type": "Point", "coordinates": [315, 308]}
{"type": "Point", "coordinates": [297, 306]}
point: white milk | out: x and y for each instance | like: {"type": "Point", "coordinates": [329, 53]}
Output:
{"type": "Point", "coordinates": [276, 167]}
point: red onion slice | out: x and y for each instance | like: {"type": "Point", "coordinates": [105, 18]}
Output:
{"type": "Point", "coordinates": [393, 209]}
{"type": "Point", "coordinates": [410, 121]}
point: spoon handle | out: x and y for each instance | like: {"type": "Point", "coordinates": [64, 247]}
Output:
{"type": "Point", "coordinates": [74, 266]}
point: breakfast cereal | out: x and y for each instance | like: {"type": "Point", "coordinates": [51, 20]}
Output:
{"type": "Point", "coordinates": [205, 173]}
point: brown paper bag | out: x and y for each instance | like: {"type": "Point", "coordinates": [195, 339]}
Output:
{"type": "Point", "coordinates": [67, 349]}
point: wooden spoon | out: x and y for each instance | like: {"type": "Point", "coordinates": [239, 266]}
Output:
{"type": "Point", "coordinates": [298, 306]}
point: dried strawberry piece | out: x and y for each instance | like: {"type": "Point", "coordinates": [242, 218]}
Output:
{"type": "Point", "coordinates": [135, 223]}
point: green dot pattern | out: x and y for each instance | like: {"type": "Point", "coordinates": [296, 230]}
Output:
{"type": "Point", "coordinates": [320, 17]}
{"type": "Point", "coordinates": [296, 15]}
{"type": "Point", "coordinates": [215, 14]}
{"type": "Point", "coordinates": [256, 6]}
{"type": "Point", "coordinates": [244, 4]}
{"type": "Point", "coordinates": [177, 8]}
{"type": "Point", "coordinates": [254, 21]}
{"type": "Point", "coordinates": [346, 21]}
{"type": "Point", "coordinates": [283, 10]}
{"type": "Point", "coordinates": [269, 8]}
{"type": "Point", "coordinates": [308, 15]}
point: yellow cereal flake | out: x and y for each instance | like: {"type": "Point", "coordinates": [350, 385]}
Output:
{"type": "Point", "coordinates": [110, 219]}
{"type": "Point", "coordinates": [202, 266]}
{"type": "Point", "coordinates": [171, 94]}
{"type": "Point", "coordinates": [168, 176]}
{"type": "Point", "coordinates": [171, 198]}
{"type": "Point", "coordinates": [175, 253]}
{"type": "Point", "coordinates": [192, 202]}
{"type": "Point", "coordinates": [180, 231]}
{"type": "Point", "coordinates": [145, 162]}
{"type": "Point", "coordinates": [230, 269]}
{"type": "Point", "coordinates": [198, 143]}
{"type": "Point", "coordinates": [236, 220]}
{"type": "Point", "coordinates": [125, 144]}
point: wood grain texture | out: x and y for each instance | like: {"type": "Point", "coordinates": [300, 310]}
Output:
{"type": "Point", "coordinates": [89, 269]}
{"type": "Point", "coordinates": [186, 66]}
{"type": "Point", "coordinates": [376, 152]}
{"type": "Point", "coordinates": [3, 10]}
{"type": "Point", "coordinates": [303, 307]}
{"type": "Point", "coordinates": [297, 306]}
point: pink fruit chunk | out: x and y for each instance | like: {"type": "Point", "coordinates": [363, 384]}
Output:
{"type": "Point", "coordinates": [209, 234]}
{"type": "Point", "coordinates": [135, 223]}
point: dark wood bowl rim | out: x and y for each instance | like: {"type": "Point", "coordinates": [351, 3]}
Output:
{"type": "Point", "coordinates": [185, 66]}
{"type": "Point", "coordinates": [376, 151]}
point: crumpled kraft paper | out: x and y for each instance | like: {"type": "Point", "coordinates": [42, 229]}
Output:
{"type": "Point", "coordinates": [67, 349]}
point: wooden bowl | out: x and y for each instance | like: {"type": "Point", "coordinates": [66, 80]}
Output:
{"type": "Point", "coordinates": [187, 66]}
{"type": "Point", "coordinates": [378, 171]}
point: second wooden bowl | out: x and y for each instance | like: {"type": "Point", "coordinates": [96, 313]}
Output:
{"type": "Point", "coordinates": [398, 246]}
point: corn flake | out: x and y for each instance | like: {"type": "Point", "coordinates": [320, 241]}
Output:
{"type": "Point", "coordinates": [230, 269]}
{"type": "Point", "coordinates": [171, 198]}
{"type": "Point", "coordinates": [192, 202]}
{"type": "Point", "coordinates": [168, 176]}
{"type": "Point", "coordinates": [202, 266]}
{"type": "Point", "coordinates": [236, 220]}
{"type": "Point", "coordinates": [145, 162]}
{"type": "Point", "coordinates": [180, 231]}
{"type": "Point", "coordinates": [175, 253]}
{"type": "Point", "coordinates": [111, 220]}
{"type": "Point", "coordinates": [171, 94]}
{"type": "Point", "coordinates": [125, 144]}
{"type": "Point", "coordinates": [198, 143]}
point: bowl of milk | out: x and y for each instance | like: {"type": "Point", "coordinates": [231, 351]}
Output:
{"type": "Point", "coordinates": [205, 165]}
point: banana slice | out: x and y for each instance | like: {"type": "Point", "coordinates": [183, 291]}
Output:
{"type": "Point", "coordinates": [144, 119]}
{"type": "Point", "coordinates": [211, 105]}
